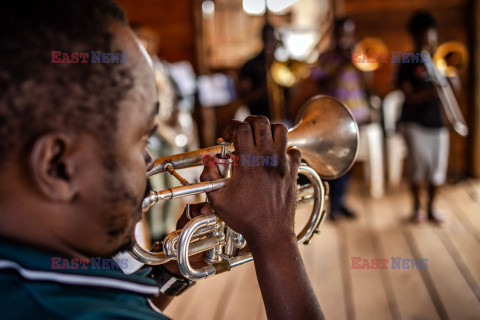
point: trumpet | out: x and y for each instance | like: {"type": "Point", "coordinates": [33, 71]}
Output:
{"type": "Point", "coordinates": [327, 136]}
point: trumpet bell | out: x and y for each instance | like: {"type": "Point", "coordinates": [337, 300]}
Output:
{"type": "Point", "coordinates": [451, 58]}
{"type": "Point", "coordinates": [327, 135]}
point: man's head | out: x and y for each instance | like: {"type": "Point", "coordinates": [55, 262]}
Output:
{"type": "Point", "coordinates": [423, 29]}
{"type": "Point", "coordinates": [72, 136]}
{"type": "Point", "coordinates": [344, 31]}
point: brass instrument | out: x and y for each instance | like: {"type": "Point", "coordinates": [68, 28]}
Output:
{"type": "Point", "coordinates": [451, 58]}
{"type": "Point", "coordinates": [373, 51]}
{"type": "Point", "coordinates": [439, 68]}
{"type": "Point", "coordinates": [290, 66]}
{"type": "Point", "coordinates": [327, 136]}
{"type": "Point", "coordinates": [290, 72]}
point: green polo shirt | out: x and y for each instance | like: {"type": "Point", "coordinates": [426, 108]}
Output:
{"type": "Point", "coordinates": [31, 289]}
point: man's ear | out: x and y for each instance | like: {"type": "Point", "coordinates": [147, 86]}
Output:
{"type": "Point", "coordinates": [52, 165]}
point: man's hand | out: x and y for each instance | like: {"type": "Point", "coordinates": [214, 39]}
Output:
{"type": "Point", "coordinates": [260, 200]}
{"type": "Point", "coordinates": [259, 203]}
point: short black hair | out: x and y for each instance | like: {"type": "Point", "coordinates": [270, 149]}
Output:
{"type": "Point", "coordinates": [420, 22]}
{"type": "Point", "coordinates": [37, 96]}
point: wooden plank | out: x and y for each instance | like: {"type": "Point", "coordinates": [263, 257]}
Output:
{"type": "Point", "coordinates": [369, 295]}
{"type": "Point", "coordinates": [210, 295]}
{"type": "Point", "coordinates": [392, 243]}
{"type": "Point", "coordinates": [325, 271]}
{"type": "Point", "coordinates": [262, 314]}
{"type": "Point", "coordinates": [462, 245]}
{"type": "Point", "coordinates": [443, 279]}
{"type": "Point", "coordinates": [246, 297]}
{"type": "Point", "coordinates": [472, 187]}
{"type": "Point", "coordinates": [468, 211]}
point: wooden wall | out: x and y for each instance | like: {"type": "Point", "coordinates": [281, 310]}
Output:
{"type": "Point", "coordinates": [474, 164]}
{"type": "Point", "coordinates": [173, 20]}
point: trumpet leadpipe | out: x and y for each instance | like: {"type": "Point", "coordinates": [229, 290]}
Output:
{"type": "Point", "coordinates": [186, 160]}
{"type": "Point", "coordinates": [183, 191]}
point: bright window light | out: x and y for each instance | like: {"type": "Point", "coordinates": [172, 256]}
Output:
{"type": "Point", "coordinates": [208, 8]}
{"type": "Point", "coordinates": [254, 7]}
{"type": "Point", "coordinates": [279, 5]}
{"type": "Point", "coordinates": [299, 44]}
{"type": "Point", "coordinates": [181, 140]}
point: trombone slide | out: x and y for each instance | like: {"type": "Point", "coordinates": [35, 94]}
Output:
{"type": "Point", "coordinates": [447, 97]}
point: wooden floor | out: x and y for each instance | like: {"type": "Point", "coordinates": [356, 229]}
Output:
{"type": "Point", "coordinates": [448, 289]}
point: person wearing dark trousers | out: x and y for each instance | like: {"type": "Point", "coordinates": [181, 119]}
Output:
{"type": "Point", "coordinates": [337, 76]}
{"type": "Point", "coordinates": [421, 121]}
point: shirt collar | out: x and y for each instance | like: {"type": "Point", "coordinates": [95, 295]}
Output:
{"type": "Point", "coordinates": [36, 265]}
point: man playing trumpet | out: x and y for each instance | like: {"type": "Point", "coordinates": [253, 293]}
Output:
{"type": "Point", "coordinates": [73, 140]}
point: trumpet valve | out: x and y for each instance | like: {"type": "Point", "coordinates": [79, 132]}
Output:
{"type": "Point", "coordinates": [223, 160]}
{"type": "Point", "coordinates": [215, 254]}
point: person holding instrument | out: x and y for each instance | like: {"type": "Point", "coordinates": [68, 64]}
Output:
{"type": "Point", "coordinates": [336, 75]}
{"type": "Point", "coordinates": [253, 75]}
{"type": "Point", "coordinates": [73, 165]}
{"type": "Point", "coordinates": [421, 120]}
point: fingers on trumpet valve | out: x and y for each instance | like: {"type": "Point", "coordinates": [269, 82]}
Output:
{"type": "Point", "coordinates": [193, 210]}
{"type": "Point", "coordinates": [262, 132]}
{"type": "Point", "coordinates": [240, 133]}
{"type": "Point", "coordinates": [210, 172]}
{"type": "Point", "coordinates": [280, 136]}
{"type": "Point", "coordinates": [295, 158]}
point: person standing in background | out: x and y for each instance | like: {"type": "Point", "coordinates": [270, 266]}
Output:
{"type": "Point", "coordinates": [421, 120]}
{"type": "Point", "coordinates": [337, 76]}
{"type": "Point", "coordinates": [253, 75]}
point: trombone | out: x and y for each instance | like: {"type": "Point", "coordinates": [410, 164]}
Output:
{"type": "Point", "coordinates": [438, 69]}
{"type": "Point", "coordinates": [327, 136]}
